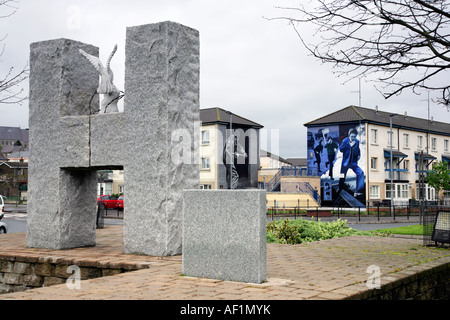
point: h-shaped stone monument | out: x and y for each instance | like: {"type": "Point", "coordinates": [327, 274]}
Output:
{"type": "Point", "coordinates": [68, 143]}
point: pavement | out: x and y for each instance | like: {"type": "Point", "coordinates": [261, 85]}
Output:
{"type": "Point", "coordinates": [15, 208]}
{"type": "Point", "coordinates": [333, 269]}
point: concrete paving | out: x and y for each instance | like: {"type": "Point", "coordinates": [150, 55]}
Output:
{"type": "Point", "coordinates": [333, 269]}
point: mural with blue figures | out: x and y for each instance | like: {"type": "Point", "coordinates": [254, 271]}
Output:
{"type": "Point", "coordinates": [337, 155]}
{"type": "Point", "coordinates": [323, 144]}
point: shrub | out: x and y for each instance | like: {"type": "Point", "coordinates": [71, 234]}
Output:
{"type": "Point", "coordinates": [284, 232]}
{"type": "Point", "coordinates": [300, 231]}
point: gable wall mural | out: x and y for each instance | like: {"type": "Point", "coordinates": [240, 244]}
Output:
{"type": "Point", "coordinates": [338, 155]}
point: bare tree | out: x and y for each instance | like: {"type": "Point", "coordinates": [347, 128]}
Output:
{"type": "Point", "coordinates": [405, 44]}
{"type": "Point", "coordinates": [10, 89]}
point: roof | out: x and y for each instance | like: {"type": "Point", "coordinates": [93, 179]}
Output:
{"type": "Point", "coordinates": [19, 154]}
{"type": "Point", "coordinates": [14, 133]}
{"type": "Point", "coordinates": [221, 116]}
{"type": "Point", "coordinates": [15, 165]}
{"type": "Point", "coordinates": [395, 154]}
{"type": "Point", "coordinates": [264, 153]}
{"type": "Point", "coordinates": [299, 162]}
{"type": "Point", "coordinates": [353, 114]}
{"type": "Point", "coordinates": [11, 149]}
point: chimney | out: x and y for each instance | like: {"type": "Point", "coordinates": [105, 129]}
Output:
{"type": "Point", "coordinates": [406, 114]}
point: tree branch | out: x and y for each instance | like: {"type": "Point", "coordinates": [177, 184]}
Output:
{"type": "Point", "coordinates": [10, 91]}
{"type": "Point", "coordinates": [381, 37]}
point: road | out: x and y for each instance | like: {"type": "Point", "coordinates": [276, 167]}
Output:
{"type": "Point", "coordinates": [16, 219]}
{"type": "Point", "coordinates": [375, 226]}
{"type": "Point", "coordinates": [361, 225]}
{"type": "Point", "coordinates": [19, 224]}
{"type": "Point", "coordinates": [16, 224]}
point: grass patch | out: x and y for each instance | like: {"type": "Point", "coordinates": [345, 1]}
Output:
{"type": "Point", "coordinates": [301, 231]}
{"type": "Point", "coordinates": [415, 230]}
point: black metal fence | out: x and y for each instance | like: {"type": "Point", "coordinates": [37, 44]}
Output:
{"type": "Point", "coordinates": [377, 213]}
{"type": "Point", "coordinates": [109, 213]}
{"type": "Point", "coordinates": [434, 218]}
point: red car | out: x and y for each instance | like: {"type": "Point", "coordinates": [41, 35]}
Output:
{"type": "Point", "coordinates": [120, 203]}
{"type": "Point", "coordinates": [110, 202]}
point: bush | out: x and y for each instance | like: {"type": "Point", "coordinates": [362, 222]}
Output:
{"type": "Point", "coordinates": [300, 231]}
{"type": "Point", "coordinates": [284, 232]}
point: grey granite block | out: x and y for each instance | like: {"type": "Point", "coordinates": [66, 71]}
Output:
{"type": "Point", "coordinates": [61, 85]}
{"type": "Point", "coordinates": [77, 204]}
{"type": "Point", "coordinates": [224, 234]}
{"type": "Point", "coordinates": [161, 96]}
{"type": "Point", "coordinates": [109, 143]}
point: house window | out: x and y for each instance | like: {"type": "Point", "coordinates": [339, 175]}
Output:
{"type": "Point", "coordinates": [433, 144]}
{"type": "Point", "coordinates": [429, 193]}
{"type": "Point", "coordinates": [374, 163]}
{"type": "Point", "coordinates": [205, 137]}
{"type": "Point", "coordinates": [419, 142]}
{"type": "Point", "coordinates": [373, 136]}
{"type": "Point", "coordinates": [206, 164]}
{"type": "Point", "coordinates": [400, 191]}
{"type": "Point", "coordinates": [205, 186]}
{"type": "Point", "coordinates": [445, 145]}
{"type": "Point", "coordinates": [406, 165]}
{"type": "Point", "coordinates": [389, 138]}
{"type": "Point", "coordinates": [375, 192]}
{"type": "Point", "coordinates": [405, 140]}
{"type": "Point", "coordinates": [403, 191]}
{"type": "Point", "coordinates": [388, 190]}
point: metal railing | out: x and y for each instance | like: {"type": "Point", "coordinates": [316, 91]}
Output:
{"type": "Point", "coordinates": [375, 213]}
{"type": "Point", "coordinates": [109, 213]}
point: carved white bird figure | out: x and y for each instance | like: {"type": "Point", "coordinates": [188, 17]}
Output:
{"type": "Point", "coordinates": [106, 85]}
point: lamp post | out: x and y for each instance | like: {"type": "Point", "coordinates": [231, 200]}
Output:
{"type": "Point", "coordinates": [231, 149]}
{"type": "Point", "coordinates": [391, 168]}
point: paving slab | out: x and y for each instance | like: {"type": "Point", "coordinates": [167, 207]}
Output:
{"type": "Point", "coordinates": [332, 269]}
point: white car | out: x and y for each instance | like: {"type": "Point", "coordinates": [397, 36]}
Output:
{"type": "Point", "coordinates": [2, 204]}
{"type": "Point", "coordinates": [3, 226]}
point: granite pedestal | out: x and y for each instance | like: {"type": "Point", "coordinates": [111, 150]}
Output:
{"type": "Point", "coordinates": [224, 234]}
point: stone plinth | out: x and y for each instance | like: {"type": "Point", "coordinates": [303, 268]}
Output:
{"type": "Point", "coordinates": [224, 234]}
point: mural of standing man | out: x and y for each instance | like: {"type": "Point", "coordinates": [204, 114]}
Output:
{"type": "Point", "coordinates": [232, 152]}
{"type": "Point", "coordinates": [351, 154]}
{"type": "Point", "coordinates": [331, 147]}
{"type": "Point", "coordinates": [317, 152]}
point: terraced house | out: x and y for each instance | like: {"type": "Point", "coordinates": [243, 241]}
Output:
{"type": "Point", "coordinates": [229, 150]}
{"type": "Point", "coordinates": [350, 150]}
{"type": "Point", "coordinates": [13, 139]}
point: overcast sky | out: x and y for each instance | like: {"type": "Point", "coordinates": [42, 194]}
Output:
{"type": "Point", "coordinates": [249, 65]}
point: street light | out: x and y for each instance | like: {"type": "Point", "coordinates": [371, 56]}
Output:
{"type": "Point", "coordinates": [390, 171]}
{"type": "Point", "coordinates": [231, 147]}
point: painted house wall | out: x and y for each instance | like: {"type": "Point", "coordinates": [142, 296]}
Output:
{"type": "Point", "coordinates": [407, 142]}
{"type": "Point", "coordinates": [328, 159]}
{"type": "Point", "coordinates": [246, 162]}
{"type": "Point", "coordinates": [208, 150]}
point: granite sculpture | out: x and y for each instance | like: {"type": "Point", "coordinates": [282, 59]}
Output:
{"type": "Point", "coordinates": [68, 144]}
